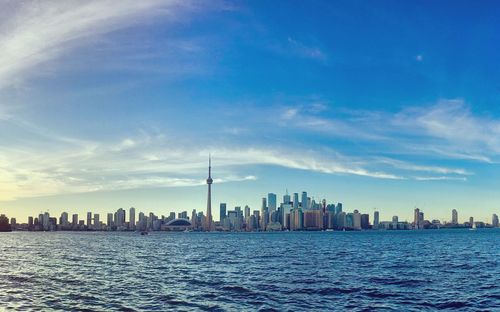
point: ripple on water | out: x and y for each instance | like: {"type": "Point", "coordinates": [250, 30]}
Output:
{"type": "Point", "coordinates": [362, 271]}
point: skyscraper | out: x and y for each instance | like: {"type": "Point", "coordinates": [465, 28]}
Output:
{"type": "Point", "coordinates": [295, 200]}
{"type": "Point", "coordinates": [494, 220]}
{"type": "Point", "coordinates": [89, 219]}
{"type": "Point", "coordinates": [416, 218]}
{"type": "Point", "coordinates": [304, 200]}
{"type": "Point", "coordinates": [454, 216]}
{"type": "Point", "coordinates": [271, 202]}
{"type": "Point", "coordinates": [222, 211]}
{"type": "Point", "coordinates": [208, 226]}
{"type": "Point", "coordinates": [376, 219]}
{"type": "Point", "coordinates": [132, 219]}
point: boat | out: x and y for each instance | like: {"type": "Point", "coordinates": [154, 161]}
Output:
{"type": "Point", "coordinates": [473, 228]}
{"type": "Point", "coordinates": [144, 233]}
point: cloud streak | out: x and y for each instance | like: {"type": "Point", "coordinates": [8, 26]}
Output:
{"type": "Point", "coordinates": [34, 32]}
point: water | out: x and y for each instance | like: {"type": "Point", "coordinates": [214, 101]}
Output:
{"type": "Point", "coordinates": [362, 271]}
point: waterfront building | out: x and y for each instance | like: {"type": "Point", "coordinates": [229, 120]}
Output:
{"type": "Point", "coordinates": [454, 217]}
{"type": "Point", "coordinates": [271, 202]}
{"type": "Point", "coordinates": [313, 220]}
{"type": "Point", "coordinates": [376, 219]}
{"type": "Point", "coordinates": [295, 200]}
{"type": "Point", "coordinates": [97, 224]}
{"type": "Point", "coordinates": [338, 208]}
{"type": "Point", "coordinates": [365, 221]}
{"type": "Point", "coordinates": [222, 212]}
{"type": "Point", "coordinates": [247, 212]}
{"type": "Point", "coordinates": [494, 221]}
{"type": "Point", "coordinates": [74, 220]}
{"type": "Point", "coordinates": [131, 218]}
{"type": "Point", "coordinates": [356, 220]}
{"type": "Point", "coordinates": [304, 203]}
{"type": "Point", "coordinates": [89, 219]}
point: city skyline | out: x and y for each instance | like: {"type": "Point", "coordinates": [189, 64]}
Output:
{"type": "Point", "coordinates": [105, 106]}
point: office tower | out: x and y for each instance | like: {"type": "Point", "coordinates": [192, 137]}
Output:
{"type": "Point", "coordinates": [471, 221]}
{"type": "Point", "coordinates": [63, 221]}
{"type": "Point", "coordinates": [89, 219]}
{"type": "Point", "coordinates": [341, 220]}
{"type": "Point", "coordinates": [349, 220]}
{"type": "Point", "coordinates": [416, 219]}
{"type": "Point", "coordinates": [313, 220]}
{"type": "Point", "coordinates": [74, 220]}
{"type": "Point", "coordinates": [208, 226]}
{"type": "Point", "coordinates": [97, 223]}
{"type": "Point", "coordinates": [222, 212]}
{"type": "Point", "coordinates": [264, 214]}
{"type": "Point", "coordinates": [131, 219]}
{"type": "Point", "coordinates": [304, 201]}
{"type": "Point", "coordinates": [13, 223]}
{"type": "Point", "coordinates": [454, 216]}
{"type": "Point", "coordinates": [183, 215]}
{"type": "Point", "coordinates": [30, 223]}
{"type": "Point", "coordinates": [256, 213]}
{"type": "Point", "coordinates": [194, 220]}
{"type": "Point", "coordinates": [356, 220]}
{"type": "Point", "coordinates": [365, 221]}
{"type": "Point", "coordinates": [338, 208]}
{"type": "Point", "coordinates": [295, 200]}
{"type": "Point", "coordinates": [376, 219]}
{"type": "Point", "coordinates": [286, 198]}
{"type": "Point", "coordinates": [494, 221]}
{"type": "Point", "coordinates": [271, 202]}
{"type": "Point", "coordinates": [247, 211]}
{"type": "Point", "coordinates": [109, 221]}
{"type": "Point", "coordinates": [120, 218]}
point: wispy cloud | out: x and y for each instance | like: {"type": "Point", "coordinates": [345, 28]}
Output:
{"type": "Point", "coordinates": [34, 32]}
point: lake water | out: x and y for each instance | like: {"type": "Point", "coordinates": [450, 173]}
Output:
{"type": "Point", "coordinates": [315, 271]}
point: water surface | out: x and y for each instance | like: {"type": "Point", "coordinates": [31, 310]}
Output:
{"type": "Point", "coordinates": [360, 271]}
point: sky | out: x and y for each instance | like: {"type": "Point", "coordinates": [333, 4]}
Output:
{"type": "Point", "coordinates": [386, 105]}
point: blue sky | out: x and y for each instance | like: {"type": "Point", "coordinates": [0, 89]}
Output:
{"type": "Point", "coordinates": [376, 104]}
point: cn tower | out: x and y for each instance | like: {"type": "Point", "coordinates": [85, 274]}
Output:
{"type": "Point", "coordinates": [208, 226]}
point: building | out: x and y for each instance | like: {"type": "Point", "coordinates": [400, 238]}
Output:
{"type": "Point", "coordinates": [494, 221]}
{"type": "Point", "coordinates": [376, 219]}
{"type": "Point", "coordinates": [304, 201]}
{"type": "Point", "coordinates": [178, 225]}
{"type": "Point", "coordinates": [271, 202]}
{"type": "Point", "coordinates": [131, 218]}
{"type": "Point", "coordinates": [222, 212]}
{"type": "Point", "coordinates": [454, 217]}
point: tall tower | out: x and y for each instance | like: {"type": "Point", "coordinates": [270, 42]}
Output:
{"type": "Point", "coordinates": [208, 226]}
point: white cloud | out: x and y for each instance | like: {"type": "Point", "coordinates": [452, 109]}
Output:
{"type": "Point", "coordinates": [35, 32]}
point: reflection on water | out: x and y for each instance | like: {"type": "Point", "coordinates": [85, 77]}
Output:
{"type": "Point", "coordinates": [412, 270]}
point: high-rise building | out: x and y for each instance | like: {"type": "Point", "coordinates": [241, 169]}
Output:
{"type": "Point", "coordinates": [295, 200]}
{"type": "Point", "coordinates": [416, 219]}
{"type": "Point", "coordinates": [454, 216]}
{"type": "Point", "coordinates": [286, 198]}
{"type": "Point", "coordinates": [247, 212]}
{"type": "Point", "coordinates": [74, 220]}
{"type": "Point", "coordinates": [271, 202]}
{"type": "Point", "coordinates": [304, 201]}
{"type": "Point", "coordinates": [365, 221]}
{"type": "Point", "coordinates": [356, 220]}
{"type": "Point", "coordinates": [64, 220]}
{"type": "Point", "coordinates": [131, 219]}
{"type": "Point", "coordinates": [89, 219]}
{"type": "Point", "coordinates": [222, 212]}
{"type": "Point", "coordinates": [97, 222]}
{"type": "Point", "coordinates": [208, 226]}
{"type": "Point", "coordinates": [109, 221]}
{"type": "Point", "coordinates": [264, 214]}
{"type": "Point", "coordinates": [376, 219]}
{"type": "Point", "coordinates": [494, 220]}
